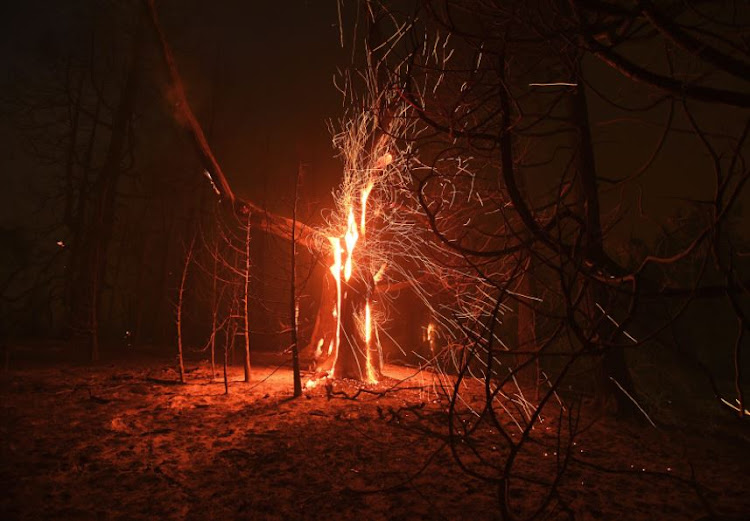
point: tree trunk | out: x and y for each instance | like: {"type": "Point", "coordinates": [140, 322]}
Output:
{"type": "Point", "coordinates": [180, 302]}
{"type": "Point", "coordinates": [354, 354]}
{"type": "Point", "coordinates": [228, 336]}
{"type": "Point", "coordinates": [323, 338]}
{"type": "Point", "coordinates": [246, 298]}
{"type": "Point", "coordinates": [613, 369]}
{"type": "Point", "coordinates": [293, 296]}
{"type": "Point", "coordinates": [528, 375]}
{"type": "Point", "coordinates": [214, 309]}
{"type": "Point", "coordinates": [526, 329]}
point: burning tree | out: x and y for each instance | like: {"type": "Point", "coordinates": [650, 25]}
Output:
{"type": "Point", "coordinates": [381, 241]}
{"type": "Point", "coordinates": [346, 345]}
{"type": "Point", "coordinates": [387, 233]}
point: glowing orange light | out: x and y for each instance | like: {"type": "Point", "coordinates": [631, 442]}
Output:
{"type": "Point", "coordinates": [368, 323]}
{"type": "Point", "coordinates": [336, 271]}
{"type": "Point", "coordinates": [371, 377]}
{"type": "Point", "coordinates": [350, 239]}
{"type": "Point", "coordinates": [346, 265]}
{"type": "Point", "coordinates": [365, 195]}
{"type": "Point", "coordinates": [318, 348]}
{"type": "Point", "coordinates": [379, 275]}
{"type": "Point", "coordinates": [430, 332]}
{"type": "Point", "coordinates": [384, 160]}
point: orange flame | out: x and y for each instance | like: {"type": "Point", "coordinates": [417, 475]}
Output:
{"type": "Point", "coordinates": [346, 265]}
{"type": "Point", "coordinates": [350, 239]}
{"type": "Point", "coordinates": [368, 323]}
{"type": "Point", "coordinates": [336, 271]}
{"type": "Point", "coordinates": [384, 160]}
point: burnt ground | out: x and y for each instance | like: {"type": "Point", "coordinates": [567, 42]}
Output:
{"type": "Point", "coordinates": [122, 441]}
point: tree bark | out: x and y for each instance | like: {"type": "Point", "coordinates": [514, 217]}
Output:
{"type": "Point", "coordinates": [246, 299]}
{"type": "Point", "coordinates": [180, 306]}
{"type": "Point", "coordinates": [293, 296]}
{"type": "Point", "coordinates": [613, 369]}
{"type": "Point", "coordinates": [214, 308]}
{"type": "Point", "coordinates": [528, 374]}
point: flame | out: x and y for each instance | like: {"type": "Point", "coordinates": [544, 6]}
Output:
{"type": "Point", "coordinates": [430, 336]}
{"type": "Point", "coordinates": [342, 247]}
{"type": "Point", "coordinates": [368, 323]}
{"type": "Point", "coordinates": [384, 160]}
{"type": "Point", "coordinates": [379, 275]}
{"type": "Point", "coordinates": [430, 332]}
{"type": "Point", "coordinates": [346, 265]}
{"type": "Point", "coordinates": [350, 238]}
{"type": "Point", "coordinates": [336, 271]}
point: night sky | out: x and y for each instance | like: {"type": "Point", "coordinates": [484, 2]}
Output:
{"type": "Point", "coordinates": [258, 74]}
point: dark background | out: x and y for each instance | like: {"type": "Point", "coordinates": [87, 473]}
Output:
{"type": "Point", "coordinates": [260, 78]}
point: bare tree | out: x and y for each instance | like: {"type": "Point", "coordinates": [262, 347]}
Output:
{"type": "Point", "coordinates": [180, 307]}
{"type": "Point", "coordinates": [293, 303]}
{"type": "Point", "coordinates": [246, 298]}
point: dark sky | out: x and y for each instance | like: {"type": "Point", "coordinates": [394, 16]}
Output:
{"type": "Point", "coordinates": [275, 63]}
{"type": "Point", "coordinates": [268, 67]}
{"type": "Point", "coordinates": [264, 70]}
{"type": "Point", "coordinates": [259, 74]}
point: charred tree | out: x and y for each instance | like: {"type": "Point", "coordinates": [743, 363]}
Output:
{"type": "Point", "coordinates": [323, 336]}
{"type": "Point", "coordinates": [354, 358]}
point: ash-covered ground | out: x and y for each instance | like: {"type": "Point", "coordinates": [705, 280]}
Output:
{"type": "Point", "coordinates": [121, 440]}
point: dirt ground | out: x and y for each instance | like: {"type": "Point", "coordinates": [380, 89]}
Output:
{"type": "Point", "coordinates": [122, 441]}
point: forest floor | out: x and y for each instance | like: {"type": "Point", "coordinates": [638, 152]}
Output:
{"type": "Point", "coordinates": [123, 441]}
